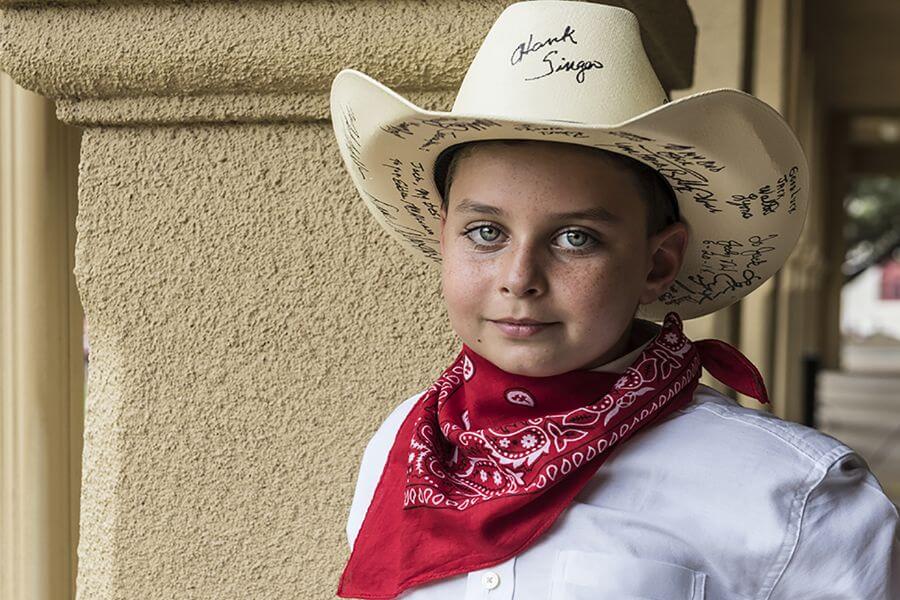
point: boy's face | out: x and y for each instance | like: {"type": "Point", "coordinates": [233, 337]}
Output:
{"type": "Point", "coordinates": [553, 233]}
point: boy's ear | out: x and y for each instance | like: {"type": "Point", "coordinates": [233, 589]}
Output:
{"type": "Point", "coordinates": [667, 249]}
{"type": "Point", "coordinates": [443, 216]}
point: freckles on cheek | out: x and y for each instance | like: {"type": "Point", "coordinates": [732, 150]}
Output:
{"type": "Point", "coordinates": [588, 282]}
{"type": "Point", "coordinates": [590, 292]}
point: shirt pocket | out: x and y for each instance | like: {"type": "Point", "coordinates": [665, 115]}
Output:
{"type": "Point", "coordinates": [580, 575]}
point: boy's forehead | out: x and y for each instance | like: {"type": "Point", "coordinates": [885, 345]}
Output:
{"type": "Point", "coordinates": [581, 174]}
{"type": "Point", "coordinates": [552, 210]}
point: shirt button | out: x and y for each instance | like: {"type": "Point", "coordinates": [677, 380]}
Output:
{"type": "Point", "coordinates": [490, 580]}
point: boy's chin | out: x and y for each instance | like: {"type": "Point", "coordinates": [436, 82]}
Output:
{"type": "Point", "coordinates": [525, 363]}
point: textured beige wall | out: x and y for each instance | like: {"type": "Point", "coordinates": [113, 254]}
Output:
{"type": "Point", "coordinates": [250, 323]}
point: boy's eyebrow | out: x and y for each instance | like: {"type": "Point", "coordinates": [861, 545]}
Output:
{"type": "Point", "coordinates": [596, 213]}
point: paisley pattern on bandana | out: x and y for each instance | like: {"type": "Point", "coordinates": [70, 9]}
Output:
{"type": "Point", "coordinates": [519, 396]}
{"type": "Point", "coordinates": [457, 468]}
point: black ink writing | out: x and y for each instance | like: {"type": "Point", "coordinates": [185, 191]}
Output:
{"type": "Point", "coordinates": [418, 240]}
{"type": "Point", "coordinates": [401, 130]}
{"type": "Point", "coordinates": [726, 266]}
{"type": "Point", "coordinates": [448, 127]}
{"type": "Point", "coordinates": [685, 155]}
{"type": "Point", "coordinates": [396, 167]}
{"type": "Point", "coordinates": [407, 197]}
{"type": "Point", "coordinates": [383, 207]}
{"type": "Point", "coordinates": [436, 129]}
{"type": "Point", "coordinates": [563, 65]}
{"type": "Point", "coordinates": [793, 188]}
{"type": "Point", "coordinates": [417, 170]}
{"type": "Point", "coordinates": [768, 198]}
{"type": "Point", "coordinates": [432, 209]}
{"type": "Point", "coordinates": [632, 137]}
{"type": "Point", "coordinates": [416, 214]}
{"type": "Point", "coordinates": [550, 130]}
{"type": "Point", "coordinates": [531, 46]}
{"type": "Point", "coordinates": [351, 140]}
{"type": "Point", "coordinates": [680, 165]}
{"type": "Point", "coordinates": [423, 240]}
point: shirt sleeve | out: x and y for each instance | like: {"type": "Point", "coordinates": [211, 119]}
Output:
{"type": "Point", "coordinates": [848, 546]}
{"type": "Point", "coordinates": [372, 465]}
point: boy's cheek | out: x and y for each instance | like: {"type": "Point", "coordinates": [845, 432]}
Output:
{"type": "Point", "coordinates": [464, 318]}
{"type": "Point", "coordinates": [461, 295]}
{"type": "Point", "coordinates": [460, 271]}
{"type": "Point", "coordinates": [465, 297]}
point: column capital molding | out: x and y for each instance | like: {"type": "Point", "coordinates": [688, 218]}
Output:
{"type": "Point", "coordinates": [157, 61]}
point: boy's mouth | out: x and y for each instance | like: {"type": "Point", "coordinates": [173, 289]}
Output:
{"type": "Point", "coordinates": [520, 328]}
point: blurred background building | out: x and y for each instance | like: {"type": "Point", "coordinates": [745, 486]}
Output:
{"type": "Point", "coordinates": [198, 452]}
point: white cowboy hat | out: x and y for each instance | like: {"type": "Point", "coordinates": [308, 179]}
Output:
{"type": "Point", "coordinates": [577, 72]}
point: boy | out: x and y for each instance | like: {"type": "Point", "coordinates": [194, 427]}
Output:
{"type": "Point", "coordinates": [556, 256]}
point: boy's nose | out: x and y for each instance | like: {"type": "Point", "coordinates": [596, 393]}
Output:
{"type": "Point", "coordinates": [521, 273]}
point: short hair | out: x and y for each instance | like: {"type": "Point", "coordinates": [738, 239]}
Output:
{"type": "Point", "coordinates": [659, 199]}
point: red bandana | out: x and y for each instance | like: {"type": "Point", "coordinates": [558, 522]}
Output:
{"type": "Point", "coordinates": [487, 460]}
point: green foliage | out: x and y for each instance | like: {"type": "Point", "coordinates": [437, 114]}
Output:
{"type": "Point", "coordinates": [872, 224]}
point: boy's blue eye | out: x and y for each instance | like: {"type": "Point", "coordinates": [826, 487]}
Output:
{"type": "Point", "coordinates": [486, 233]}
{"type": "Point", "coordinates": [576, 240]}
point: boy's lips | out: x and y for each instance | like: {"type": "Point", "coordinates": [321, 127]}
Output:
{"type": "Point", "coordinates": [520, 328]}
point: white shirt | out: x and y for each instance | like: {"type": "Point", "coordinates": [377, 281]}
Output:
{"type": "Point", "coordinates": [714, 502]}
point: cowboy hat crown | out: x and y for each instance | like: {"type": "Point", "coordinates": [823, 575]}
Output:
{"type": "Point", "coordinates": [543, 61]}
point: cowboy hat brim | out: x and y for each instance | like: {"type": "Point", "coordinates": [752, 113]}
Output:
{"type": "Point", "coordinates": [737, 170]}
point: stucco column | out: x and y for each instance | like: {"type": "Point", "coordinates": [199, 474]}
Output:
{"type": "Point", "coordinates": [250, 323]}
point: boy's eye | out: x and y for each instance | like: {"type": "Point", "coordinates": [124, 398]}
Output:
{"type": "Point", "coordinates": [576, 240]}
{"type": "Point", "coordinates": [483, 233]}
